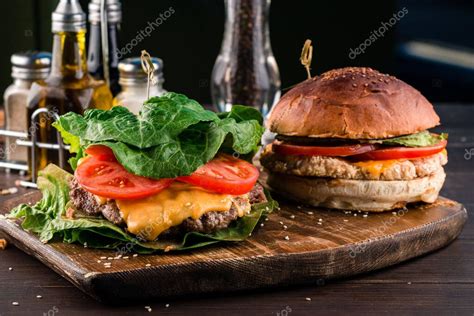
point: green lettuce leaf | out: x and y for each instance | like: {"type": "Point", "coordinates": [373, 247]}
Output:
{"type": "Point", "coordinates": [47, 219]}
{"type": "Point", "coordinates": [421, 139]}
{"type": "Point", "coordinates": [172, 136]}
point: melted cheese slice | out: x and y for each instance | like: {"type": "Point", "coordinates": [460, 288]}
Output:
{"type": "Point", "coordinates": [377, 167]}
{"type": "Point", "coordinates": [149, 217]}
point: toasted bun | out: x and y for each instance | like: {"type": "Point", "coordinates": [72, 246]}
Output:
{"type": "Point", "coordinates": [354, 103]}
{"type": "Point", "coordinates": [361, 195]}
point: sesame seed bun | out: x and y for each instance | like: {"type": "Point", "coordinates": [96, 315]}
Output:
{"type": "Point", "coordinates": [360, 195]}
{"type": "Point", "coordinates": [352, 103]}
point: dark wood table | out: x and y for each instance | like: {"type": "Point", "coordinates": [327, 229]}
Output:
{"type": "Point", "coordinates": [442, 282]}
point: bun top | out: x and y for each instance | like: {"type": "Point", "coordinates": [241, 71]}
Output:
{"type": "Point", "coordinates": [354, 103]}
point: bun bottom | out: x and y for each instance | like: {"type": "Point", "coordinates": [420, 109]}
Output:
{"type": "Point", "coordinates": [360, 195]}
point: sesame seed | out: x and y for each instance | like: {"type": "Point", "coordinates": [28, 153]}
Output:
{"type": "Point", "coordinates": [310, 213]}
{"type": "Point", "coordinates": [39, 297]}
{"type": "Point", "coordinates": [167, 305]}
{"type": "Point", "coordinates": [98, 261]}
{"type": "Point", "coordinates": [148, 265]}
{"type": "Point", "coordinates": [346, 220]}
{"type": "Point", "coordinates": [287, 238]}
{"type": "Point", "coordinates": [262, 224]}
{"type": "Point", "coordinates": [10, 269]}
{"type": "Point", "coordinates": [365, 215]}
{"type": "Point", "coordinates": [355, 214]}
{"type": "Point", "coordinates": [110, 258]}
{"type": "Point", "coordinates": [308, 298]}
{"type": "Point", "coordinates": [266, 219]}
{"type": "Point", "coordinates": [394, 213]}
{"type": "Point", "coordinates": [281, 223]}
{"type": "Point", "coordinates": [103, 258]}
{"type": "Point", "coordinates": [298, 206]}
{"type": "Point", "coordinates": [135, 255]}
{"type": "Point", "coordinates": [126, 257]}
{"type": "Point", "coordinates": [15, 303]}
{"type": "Point", "coordinates": [319, 223]}
{"type": "Point", "coordinates": [148, 308]}
{"type": "Point", "coordinates": [320, 220]}
{"type": "Point", "coordinates": [292, 216]}
{"type": "Point", "coordinates": [285, 227]}
{"type": "Point", "coordinates": [409, 283]}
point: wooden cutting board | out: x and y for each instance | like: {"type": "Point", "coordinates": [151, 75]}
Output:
{"type": "Point", "coordinates": [315, 245]}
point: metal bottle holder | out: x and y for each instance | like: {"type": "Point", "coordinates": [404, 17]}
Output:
{"type": "Point", "coordinates": [33, 143]}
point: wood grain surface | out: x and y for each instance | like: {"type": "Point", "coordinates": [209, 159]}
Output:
{"type": "Point", "coordinates": [297, 245]}
{"type": "Point", "coordinates": [441, 283]}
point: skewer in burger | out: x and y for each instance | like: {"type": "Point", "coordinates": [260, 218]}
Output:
{"type": "Point", "coordinates": [355, 139]}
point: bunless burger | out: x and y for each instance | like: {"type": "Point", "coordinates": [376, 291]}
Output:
{"type": "Point", "coordinates": [355, 139]}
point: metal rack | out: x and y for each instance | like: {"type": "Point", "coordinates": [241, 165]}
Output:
{"type": "Point", "coordinates": [31, 141]}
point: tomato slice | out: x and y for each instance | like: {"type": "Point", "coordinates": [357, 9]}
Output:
{"type": "Point", "coordinates": [109, 179]}
{"type": "Point", "coordinates": [101, 152]}
{"type": "Point", "coordinates": [341, 151]}
{"type": "Point", "coordinates": [224, 174]}
{"type": "Point", "coordinates": [401, 152]}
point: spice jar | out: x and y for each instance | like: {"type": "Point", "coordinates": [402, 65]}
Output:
{"type": "Point", "coordinates": [27, 68]}
{"type": "Point", "coordinates": [245, 71]}
{"type": "Point", "coordinates": [134, 80]}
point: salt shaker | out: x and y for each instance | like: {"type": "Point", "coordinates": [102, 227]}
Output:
{"type": "Point", "coordinates": [133, 81]}
{"type": "Point", "coordinates": [27, 68]}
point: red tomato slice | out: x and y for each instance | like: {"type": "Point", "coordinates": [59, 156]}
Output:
{"type": "Point", "coordinates": [224, 174]}
{"type": "Point", "coordinates": [402, 152]}
{"type": "Point", "coordinates": [109, 179]}
{"type": "Point", "coordinates": [101, 152]}
{"type": "Point", "coordinates": [341, 151]}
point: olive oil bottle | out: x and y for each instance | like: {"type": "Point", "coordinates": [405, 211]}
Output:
{"type": "Point", "coordinates": [69, 87]}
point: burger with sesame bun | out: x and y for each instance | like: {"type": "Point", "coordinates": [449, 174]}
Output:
{"type": "Point", "coordinates": [355, 139]}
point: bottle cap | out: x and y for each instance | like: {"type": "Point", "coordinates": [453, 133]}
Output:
{"type": "Point", "coordinates": [131, 71]}
{"type": "Point", "coordinates": [113, 7]}
{"type": "Point", "coordinates": [68, 17]}
{"type": "Point", "coordinates": [31, 65]}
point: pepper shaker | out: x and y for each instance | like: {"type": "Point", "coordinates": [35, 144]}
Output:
{"type": "Point", "coordinates": [245, 71]}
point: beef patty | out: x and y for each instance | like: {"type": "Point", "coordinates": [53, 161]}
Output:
{"type": "Point", "coordinates": [87, 203]}
{"type": "Point", "coordinates": [340, 168]}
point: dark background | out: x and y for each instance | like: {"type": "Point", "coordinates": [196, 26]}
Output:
{"type": "Point", "coordinates": [190, 39]}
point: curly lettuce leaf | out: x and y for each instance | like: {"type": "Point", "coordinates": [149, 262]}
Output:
{"type": "Point", "coordinates": [172, 136]}
{"type": "Point", "coordinates": [47, 219]}
{"type": "Point", "coordinates": [421, 139]}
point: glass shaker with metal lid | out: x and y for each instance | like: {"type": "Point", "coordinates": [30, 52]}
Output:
{"type": "Point", "coordinates": [133, 81]}
{"type": "Point", "coordinates": [27, 68]}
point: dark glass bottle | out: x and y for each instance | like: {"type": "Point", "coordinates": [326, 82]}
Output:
{"type": "Point", "coordinates": [95, 62]}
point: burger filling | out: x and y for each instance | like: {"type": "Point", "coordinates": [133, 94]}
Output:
{"type": "Point", "coordinates": [211, 198]}
{"type": "Point", "coordinates": [188, 208]}
{"type": "Point", "coordinates": [404, 158]}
